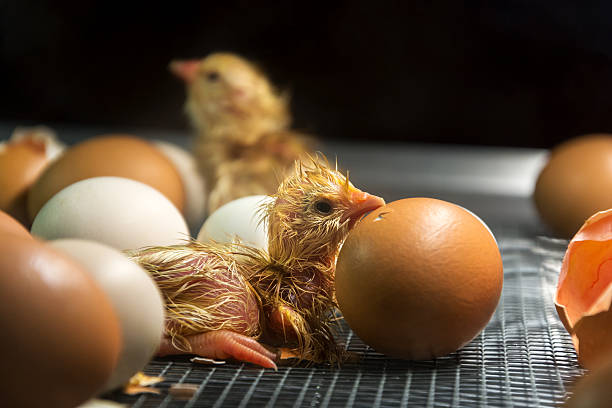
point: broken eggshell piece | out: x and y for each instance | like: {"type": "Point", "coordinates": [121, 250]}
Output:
{"type": "Point", "coordinates": [584, 291]}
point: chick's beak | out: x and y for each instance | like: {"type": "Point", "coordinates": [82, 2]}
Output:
{"type": "Point", "coordinates": [187, 70]}
{"type": "Point", "coordinates": [362, 203]}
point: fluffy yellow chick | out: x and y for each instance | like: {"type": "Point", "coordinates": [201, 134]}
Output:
{"type": "Point", "coordinates": [243, 142]}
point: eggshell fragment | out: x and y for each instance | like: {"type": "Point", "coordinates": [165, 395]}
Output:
{"type": "Point", "coordinates": [419, 278]}
{"type": "Point", "coordinates": [119, 212]}
{"type": "Point", "coordinates": [584, 290]}
{"type": "Point", "coordinates": [41, 135]}
{"type": "Point", "coordinates": [238, 218]}
{"type": "Point", "coordinates": [135, 299]}
{"type": "Point", "coordinates": [575, 183]}
{"type": "Point", "coordinates": [60, 335]}
{"type": "Point", "coordinates": [110, 155]}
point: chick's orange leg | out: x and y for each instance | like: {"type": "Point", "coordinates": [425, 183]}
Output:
{"type": "Point", "coordinates": [223, 344]}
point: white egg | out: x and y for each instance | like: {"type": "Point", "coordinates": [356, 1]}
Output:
{"type": "Point", "coordinates": [135, 298]}
{"type": "Point", "coordinates": [237, 218]}
{"type": "Point", "coordinates": [122, 213]}
{"type": "Point", "coordinates": [193, 182]}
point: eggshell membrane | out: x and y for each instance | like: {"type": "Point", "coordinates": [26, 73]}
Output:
{"type": "Point", "coordinates": [419, 278]}
{"type": "Point", "coordinates": [238, 218]}
{"type": "Point", "coordinates": [60, 335]}
{"type": "Point", "coordinates": [584, 290]}
{"type": "Point", "coordinates": [21, 163]}
{"type": "Point", "coordinates": [135, 298]}
{"type": "Point", "coordinates": [575, 183]}
{"type": "Point", "coordinates": [115, 211]}
{"type": "Point", "coordinates": [9, 225]}
{"type": "Point", "coordinates": [109, 155]}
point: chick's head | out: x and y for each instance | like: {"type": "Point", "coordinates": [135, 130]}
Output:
{"type": "Point", "coordinates": [313, 212]}
{"type": "Point", "coordinates": [224, 88]}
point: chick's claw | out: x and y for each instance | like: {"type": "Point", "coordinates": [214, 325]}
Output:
{"type": "Point", "coordinates": [224, 344]}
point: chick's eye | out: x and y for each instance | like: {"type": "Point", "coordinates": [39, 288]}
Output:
{"type": "Point", "coordinates": [212, 76]}
{"type": "Point", "coordinates": [323, 207]}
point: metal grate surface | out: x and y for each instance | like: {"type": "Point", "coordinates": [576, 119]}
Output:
{"type": "Point", "coordinates": [524, 358]}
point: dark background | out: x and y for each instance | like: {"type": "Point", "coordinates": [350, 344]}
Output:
{"type": "Point", "coordinates": [509, 73]}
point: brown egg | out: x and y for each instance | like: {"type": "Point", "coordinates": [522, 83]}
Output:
{"type": "Point", "coordinates": [584, 291]}
{"type": "Point", "coordinates": [111, 155]}
{"type": "Point", "coordinates": [419, 278]}
{"type": "Point", "coordinates": [575, 183]}
{"type": "Point", "coordinates": [21, 162]}
{"type": "Point", "coordinates": [60, 336]}
{"type": "Point", "coordinates": [593, 389]}
{"type": "Point", "coordinates": [9, 225]}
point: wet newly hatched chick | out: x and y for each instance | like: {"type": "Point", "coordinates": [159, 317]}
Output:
{"type": "Point", "coordinates": [243, 142]}
{"type": "Point", "coordinates": [222, 298]}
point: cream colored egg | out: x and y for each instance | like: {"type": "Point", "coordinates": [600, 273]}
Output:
{"type": "Point", "coordinates": [238, 218]}
{"type": "Point", "coordinates": [135, 298]}
{"type": "Point", "coordinates": [122, 213]}
{"type": "Point", "coordinates": [193, 182]}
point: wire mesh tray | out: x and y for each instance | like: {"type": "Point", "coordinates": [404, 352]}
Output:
{"type": "Point", "coordinates": [523, 358]}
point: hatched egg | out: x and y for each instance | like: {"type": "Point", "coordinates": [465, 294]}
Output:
{"type": "Point", "coordinates": [193, 182]}
{"type": "Point", "coordinates": [584, 290]}
{"type": "Point", "coordinates": [575, 183]}
{"type": "Point", "coordinates": [109, 155]}
{"type": "Point", "coordinates": [9, 225]}
{"type": "Point", "coordinates": [22, 159]}
{"type": "Point", "coordinates": [419, 278]}
{"type": "Point", "coordinates": [238, 218]}
{"type": "Point", "coordinates": [135, 298]}
{"type": "Point", "coordinates": [115, 211]}
{"type": "Point", "coordinates": [40, 135]}
{"type": "Point", "coordinates": [60, 335]}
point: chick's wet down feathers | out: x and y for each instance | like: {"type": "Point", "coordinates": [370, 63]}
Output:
{"type": "Point", "coordinates": [243, 143]}
{"type": "Point", "coordinates": [283, 297]}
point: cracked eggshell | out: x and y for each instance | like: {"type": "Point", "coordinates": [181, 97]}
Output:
{"type": "Point", "coordinates": [119, 212]}
{"type": "Point", "coordinates": [419, 278]}
{"type": "Point", "coordinates": [584, 289]}
{"type": "Point", "coordinates": [237, 218]}
{"type": "Point", "coordinates": [23, 158]}
{"type": "Point", "coordinates": [193, 182]}
{"type": "Point", "coordinates": [135, 298]}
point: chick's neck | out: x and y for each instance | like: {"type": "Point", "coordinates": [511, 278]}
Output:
{"type": "Point", "coordinates": [309, 262]}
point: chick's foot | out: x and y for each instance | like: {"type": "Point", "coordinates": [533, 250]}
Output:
{"type": "Point", "coordinates": [221, 345]}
